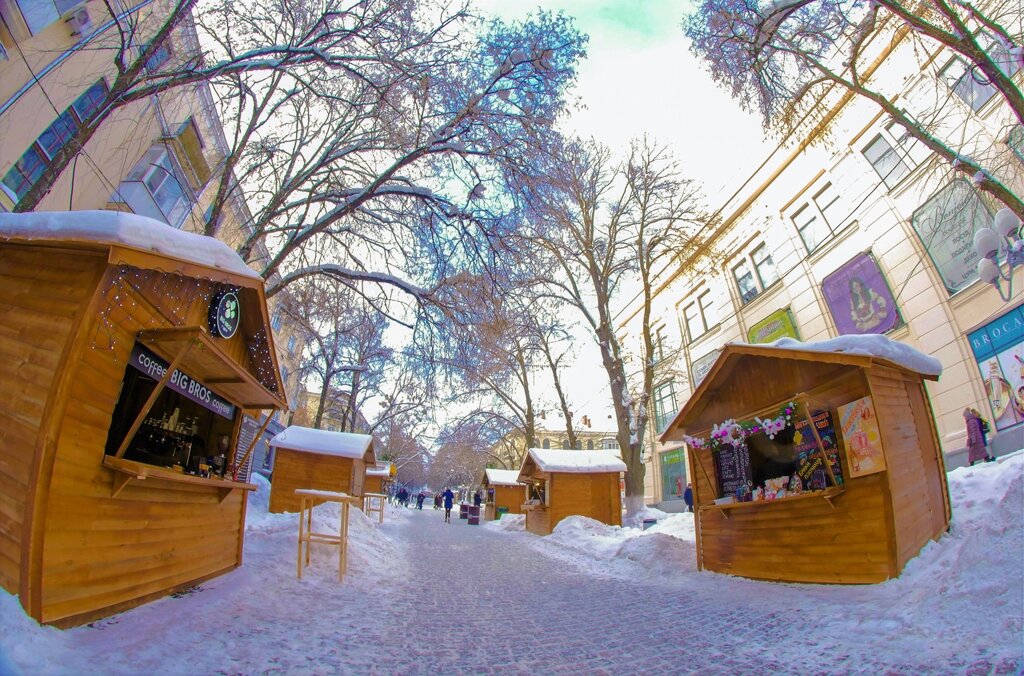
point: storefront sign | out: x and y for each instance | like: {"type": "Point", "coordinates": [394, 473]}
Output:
{"type": "Point", "coordinates": [861, 436]}
{"type": "Point", "coordinates": [998, 349]}
{"type": "Point", "coordinates": [859, 298]}
{"type": "Point", "coordinates": [155, 367]}
{"type": "Point", "coordinates": [700, 368]}
{"type": "Point", "coordinates": [778, 324]}
{"type": "Point", "coordinates": [225, 314]}
{"type": "Point", "coordinates": [673, 474]}
{"type": "Point", "coordinates": [946, 224]}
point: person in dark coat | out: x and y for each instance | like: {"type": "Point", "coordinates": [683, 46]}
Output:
{"type": "Point", "coordinates": [449, 500]}
{"type": "Point", "coordinates": [977, 444]}
{"type": "Point", "coordinates": [688, 497]}
{"type": "Point", "coordinates": [478, 498]}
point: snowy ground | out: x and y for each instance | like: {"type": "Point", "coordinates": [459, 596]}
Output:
{"type": "Point", "coordinates": [423, 596]}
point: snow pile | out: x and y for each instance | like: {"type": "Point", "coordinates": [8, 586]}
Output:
{"type": "Point", "coordinates": [508, 522]}
{"type": "Point", "coordinates": [344, 444]}
{"type": "Point", "coordinates": [576, 462]}
{"type": "Point", "coordinates": [24, 642]}
{"type": "Point", "coordinates": [869, 345]}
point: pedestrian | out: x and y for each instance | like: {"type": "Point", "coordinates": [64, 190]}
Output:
{"type": "Point", "coordinates": [419, 500]}
{"type": "Point", "coordinates": [437, 501]}
{"type": "Point", "coordinates": [977, 444]}
{"type": "Point", "coordinates": [478, 498]}
{"type": "Point", "coordinates": [449, 498]}
{"type": "Point", "coordinates": [688, 497]}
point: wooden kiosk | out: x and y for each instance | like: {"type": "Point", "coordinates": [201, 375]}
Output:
{"type": "Point", "coordinates": [376, 478]}
{"type": "Point", "coordinates": [503, 494]}
{"type": "Point", "coordinates": [130, 350]}
{"type": "Point", "coordinates": [866, 482]}
{"type": "Point", "coordinates": [570, 483]}
{"type": "Point", "coordinates": [319, 460]}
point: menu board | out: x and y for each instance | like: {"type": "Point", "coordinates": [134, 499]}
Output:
{"type": "Point", "coordinates": [810, 466]}
{"type": "Point", "coordinates": [732, 465]}
{"type": "Point", "coordinates": [861, 437]}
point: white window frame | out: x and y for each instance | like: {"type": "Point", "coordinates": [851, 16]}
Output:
{"type": "Point", "coordinates": [665, 392]}
{"type": "Point", "coordinates": [818, 214]}
{"type": "Point", "coordinates": [755, 269]}
{"type": "Point", "coordinates": [701, 307]}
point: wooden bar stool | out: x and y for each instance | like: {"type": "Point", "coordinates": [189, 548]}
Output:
{"type": "Point", "coordinates": [309, 498]}
{"type": "Point", "coordinates": [373, 503]}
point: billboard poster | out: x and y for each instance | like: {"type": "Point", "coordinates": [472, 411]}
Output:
{"type": "Point", "coordinates": [778, 324]}
{"type": "Point", "coordinates": [861, 437]}
{"type": "Point", "coordinates": [946, 224]}
{"type": "Point", "coordinates": [700, 367]}
{"type": "Point", "coordinates": [998, 349]}
{"type": "Point", "coordinates": [859, 298]}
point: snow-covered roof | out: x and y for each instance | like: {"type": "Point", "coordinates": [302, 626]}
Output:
{"type": "Point", "coordinates": [502, 477]}
{"type": "Point", "coordinates": [576, 462]}
{"type": "Point", "coordinates": [345, 444]}
{"type": "Point", "coordinates": [127, 230]}
{"type": "Point", "coordinates": [384, 470]}
{"type": "Point", "coordinates": [869, 345]}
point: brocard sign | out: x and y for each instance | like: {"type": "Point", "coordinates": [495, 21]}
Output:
{"type": "Point", "coordinates": [225, 314]}
{"type": "Point", "coordinates": [182, 383]}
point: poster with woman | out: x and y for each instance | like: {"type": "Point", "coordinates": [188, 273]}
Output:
{"type": "Point", "coordinates": [861, 437]}
{"type": "Point", "coordinates": [859, 298]}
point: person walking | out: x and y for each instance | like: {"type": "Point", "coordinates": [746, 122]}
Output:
{"type": "Point", "coordinates": [449, 499]}
{"type": "Point", "coordinates": [478, 498]}
{"type": "Point", "coordinates": [977, 444]}
{"type": "Point", "coordinates": [419, 500]}
{"type": "Point", "coordinates": [688, 497]}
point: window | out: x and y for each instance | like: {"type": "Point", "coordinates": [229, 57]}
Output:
{"type": "Point", "coordinates": [162, 182]}
{"type": "Point", "coordinates": [546, 443]}
{"type": "Point", "coordinates": [745, 281]}
{"type": "Point", "coordinates": [609, 444]}
{"type": "Point", "coordinates": [664, 406]}
{"type": "Point", "coordinates": [565, 445]}
{"type": "Point", "coordinates": [25, 172]}
{"type": "Point", "coordinates": [291, 344]}
{"type": "Point", "coordinates": [275, 322]}
{"type": "Point", "coordinates": [891, 153]}
{"type": "Point", "coordinates": [58, 134]}
{"type": "Point", "coordinates": [1016, 141]}
{"type": "Point", "coordinates": [755, 274]}
{"type": "Point", "coordinates": [89, 102]}
{"type": "Point", "coordinates": [970, 84]}
{"type": "Point", "coordinates": [159, 57]}
{"type": "Point", "coordinates": [590, 444]}
{"type": "Point", "coordinates": [765, 266]}
{"type": "Point", "coordinates": [817, 219]}
{"type": "Point", "coordinates": [38, 14]}
{"type": "Point", "coordinates": [698, 316]}
{"type": "Point", "coordinates": [659, 345]}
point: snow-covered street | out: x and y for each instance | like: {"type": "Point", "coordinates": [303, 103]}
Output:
{"type": "Point", "coordinates": [423, 596]}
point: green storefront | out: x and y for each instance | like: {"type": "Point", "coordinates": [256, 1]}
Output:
{"type": "Point", "coordinates": [673, 474]}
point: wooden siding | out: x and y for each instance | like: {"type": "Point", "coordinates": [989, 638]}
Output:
{"type": "Point", "coordinates": [43, 291]}
{"type": "Point", "coordinates": [299, 469]}
{"type": "Point", "coordinates": [803, 540]}
{"type": "Point", "coordinates": [914, 466]}
{"type": "Point", "coordinates": [511, 497]}
{"type": "Point", "coordinates": [538, 520]}
{"type": "Point", "coordinates": [373, 484]}
{"type": "Point", "coordinates": [591, 495]}
{"type": "Point", "coordinates": [101, 554]}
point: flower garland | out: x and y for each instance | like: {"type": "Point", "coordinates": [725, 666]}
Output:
{"type": "Point", "coordinates": [734, 433]}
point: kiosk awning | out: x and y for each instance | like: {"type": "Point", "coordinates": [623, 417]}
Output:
{"type": "Point", "coordinates": [207, 362]}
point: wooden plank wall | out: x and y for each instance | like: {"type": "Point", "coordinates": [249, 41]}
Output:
{"type": "Point", "coordinates": [538, 521]}
{"type": "Point", "coordinates": [373, 484]}
{"type": "Point", "coordinates": [42, 290]}
{"type": "Point", "coordinates": [592, 495]}
{"type": "Point", "coordinates": [102, 553]}
{"type": "Point", "coordinates": [299, 469]}
{"type": "Point", "coordinates": [358, 478]}
{"type": "Point", "coordinates": [917, 479]}
{"type": "Point", "coordinates": [511, 497]}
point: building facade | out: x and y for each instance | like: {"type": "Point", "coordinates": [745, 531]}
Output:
{"type": "Point", "coordinates": [862, 231]}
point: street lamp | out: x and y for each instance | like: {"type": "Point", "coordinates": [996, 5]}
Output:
{"type": "Point", "coordinates": [990, 243]}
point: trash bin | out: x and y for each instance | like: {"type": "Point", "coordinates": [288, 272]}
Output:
{"type": "Point", "coordinates": [649, 522]}
{"type": "Point", "coordinates": [499, 511]}
{"type": "Point", "coordinates": [463, 511]}
{"type": "Point", "coordinates": [474, 515]}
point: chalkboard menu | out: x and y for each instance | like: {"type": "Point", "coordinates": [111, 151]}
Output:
{"type": "Point", "coordinates": [810, 467]}
{"type": "Point", "coordinates": [732, 465]}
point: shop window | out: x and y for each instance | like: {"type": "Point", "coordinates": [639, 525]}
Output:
{"type": "Point", "coordinates": [664, 406]}
{"type": "Point", "coordinates": [819, 218]}
{"type": "Point", "coordinates": [673, 474]}
{"type": "Point", "coordinates": [698, 315]}
{"type": "Point", "coordinates": [755, 274]}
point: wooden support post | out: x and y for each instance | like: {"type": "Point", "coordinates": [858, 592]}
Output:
{"type": "Point", "coordinates": [248, 451]}
{"type": "Point", "coordinates": [152, 400]}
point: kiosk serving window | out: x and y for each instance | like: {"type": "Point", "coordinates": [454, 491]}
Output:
{"type": "Point", "coordinates": [187, 428]}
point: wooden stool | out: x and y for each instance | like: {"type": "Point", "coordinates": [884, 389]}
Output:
{"type": "Point", "coordinates": [374, 503]}
{"type": "Point", "coordinates": [309, 498]}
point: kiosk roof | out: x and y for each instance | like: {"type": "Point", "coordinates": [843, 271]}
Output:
{"type": "Point", "coordinates": [502, 477]}
{"type": "Point", "coordinates": [345, 444]}
{"type": "Point", "coordinates": [575, 462]}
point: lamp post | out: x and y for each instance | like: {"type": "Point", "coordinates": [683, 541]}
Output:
{"type": "Point", "coordinates": [1003, 239]}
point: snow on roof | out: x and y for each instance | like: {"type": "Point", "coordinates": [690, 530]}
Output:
{"type": "Point", "coordinates": [869, 345]}
{"type": "Point", "coordinates": [345, 444]}
{"type": "Point", "coordinates": [576, 462]}
{"type": "Point", "coordinates": [384, 470]}
{"type": "Point", "coordinates": [127, 230]}
{"type": "Point", "coordinates": [502, 477]}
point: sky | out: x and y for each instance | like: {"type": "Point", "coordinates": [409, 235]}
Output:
{"type": "Point", "coordinates": [640, 78]}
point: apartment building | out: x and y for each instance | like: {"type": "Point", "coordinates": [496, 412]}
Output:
{"type": "Point", "coordinates": [852, 228]}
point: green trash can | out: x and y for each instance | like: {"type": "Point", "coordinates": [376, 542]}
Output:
{"type": "Point", "coordinates": [499, 511]}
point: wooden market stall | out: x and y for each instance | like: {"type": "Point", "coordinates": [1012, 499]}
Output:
{"type": "Point", "coordinates": [319, 460]}
{"type": "Point", "coordinates": [129, 351]}
{"type": "Point", "coordinates": [570, 483]}
{"type": "Point", "coordinates": [503, 494]}
{"type": "Point", "coordinates": [377, 478]}
{"type": "Point", "coordinates": [849, 499]}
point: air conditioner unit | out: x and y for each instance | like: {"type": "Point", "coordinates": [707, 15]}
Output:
{"type": "Point", "coordinates": [79, 21]}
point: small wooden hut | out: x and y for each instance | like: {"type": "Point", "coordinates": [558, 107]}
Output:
{"type": "Point", "coordinates": [503, 494]}
{"type": "Point", "coordinates": [130, 350]}
{"type": "Point", "coordinates": [376, 477]}
{"type": "Point", "coordinates": [317, 459]}
{"type": "Point", "coordinates": [570, 483]}
{"type": "Point", "coordinates": [852, 431]}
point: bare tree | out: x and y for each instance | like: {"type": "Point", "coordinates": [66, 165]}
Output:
{"type": "Point", "coordinates": [795, 59]}
{"type": "Point", "coordinates": [601, 226]}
